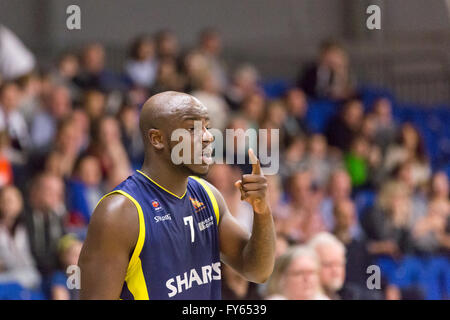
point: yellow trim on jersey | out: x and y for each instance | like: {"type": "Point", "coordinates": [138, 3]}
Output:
{"type": "Point", "coordinates": [210, 195]}
{"type": "Point", "coordinates": [135, 275]}
{"type": "Point", "coordinates": [162, 186]}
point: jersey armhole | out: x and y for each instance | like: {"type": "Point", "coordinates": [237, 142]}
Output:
{"type": "Point", "coordinates": [141, 237]}
{"type": "Point", "coordinates": [211, 196]}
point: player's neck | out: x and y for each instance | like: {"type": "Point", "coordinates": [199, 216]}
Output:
{"type": "Point", "coordinates": [173, 180]}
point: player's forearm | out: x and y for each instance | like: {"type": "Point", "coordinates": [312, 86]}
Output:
{"type": "Point", "coordinates": [259, 253]}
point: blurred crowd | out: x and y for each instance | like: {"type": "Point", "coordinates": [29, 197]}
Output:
{"type": "Point", "coordinates": [360, 192]}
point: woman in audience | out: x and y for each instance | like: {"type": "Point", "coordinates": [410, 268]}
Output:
{"type": "Point", "coordinates": [388, 223]}
{"type": "Point", "coordinates": [296, 276]}
{"type": "Point", "coordinates": [16, 261]}
{"type": "Point", "coordinates": [409, 147]}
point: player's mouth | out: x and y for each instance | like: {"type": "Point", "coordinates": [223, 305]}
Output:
{"type": "Point", "coordinates": [207, 156]}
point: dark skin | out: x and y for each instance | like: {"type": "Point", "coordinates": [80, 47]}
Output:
{"type": "Point", "coordinates": [114, 227]}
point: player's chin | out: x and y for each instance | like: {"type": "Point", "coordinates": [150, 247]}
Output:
{"type": "Point", "coordinates": [199, 169]}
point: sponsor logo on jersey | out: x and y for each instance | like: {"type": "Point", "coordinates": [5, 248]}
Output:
{"type": "Point", "coordinates": [192, 278]}
{"type": "Point", "coordinates": [197, 204]}
{"type": "Point", "coordinates": [202, 225]}
{"type": "Point", "coordinates": [162, 218]}
{"type": "Point", "coordinates": [155, 204]}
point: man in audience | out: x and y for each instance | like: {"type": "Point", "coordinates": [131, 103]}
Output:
{"type": "Point", "coordinates": [330, 76]}
{"type": "Point", "coordinates": [45, 220]}
{"type": "Point", "coordinates": [339, 188]}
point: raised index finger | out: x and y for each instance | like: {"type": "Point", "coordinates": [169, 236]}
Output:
{"type": "Point", "coordinates": [256, 165]}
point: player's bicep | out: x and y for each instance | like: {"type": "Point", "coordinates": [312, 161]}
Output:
{"type": "Point", "coordinates": [112, 234]}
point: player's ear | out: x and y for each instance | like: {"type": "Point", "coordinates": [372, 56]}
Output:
{"type": "Point", "coordinates": [156, 138]}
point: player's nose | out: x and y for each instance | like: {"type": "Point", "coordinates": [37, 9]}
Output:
{"type": "Point", "coordinates": [207, 136]}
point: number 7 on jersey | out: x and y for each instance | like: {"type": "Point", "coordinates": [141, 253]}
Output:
{"type": "Point", "coordinates": [190, 220]}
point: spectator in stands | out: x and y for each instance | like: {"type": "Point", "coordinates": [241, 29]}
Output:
{"type": "Point", "coordinates": [294, 157]}
{"type": "Point", "coordinates": [194, 66]}
{"type": "Point", "coordinates": [404, 174]}
{"type": "Point", "coordinates": [297, 106]}
{"type": "Point", "coordinates": [374, 153]}
{"type": "Point", "coordinates": [385, 126]}
{"type": "Point", "coordinates": [108, 148]}
{"type": "Point", "coordinates": [275, 193]}
{"type": "Point", "coordinates": [12, 121]}
{"type": "Point", "coordinates": [409, 147]}
{"type": "Point", "coordinates": [31, 94]}
{"type": "Point", "coordinates": [439, 187]}
{"type": "Point", "coordinates": [15, 59]}
{"type": "Point", "coordinates": [94, 74]}
{"type": "Point", "coordinates": [357, 255]}
{"type": "Point", "coordinates": [333, 266]}
{"type": "Point", "coordinates": [345, 126]}
{"type": "Point", "coordinates": [253, 109]}
{"type": "Point", "coordinates": [166, 45]}
{"type": "Point", "coordinates": [56, 165]}
{"type": "Point", "coordinates": [141, 66]}
{"type": "Point", "coordinates": [94, 104]}
{"type": "Point", "coordinates": [84, 190]}
{"type": "Point", "coordinates": [330, 76]}
{"type": "Point", "coordinates": [46, 120]}
{"type": "Point", "coordinates": [245, 81]}
{"type": "Point", "coordinates": [16, 262]}
{"type": "Point", "coordinates": [224, 177]}
{"type": "Point", "coordinates": [388, 223]}
{"type": "Point", "coordinates": [67, 68]}
{"type": "Point", "coordinates": [45, 220]}
{"type": "Point", "coordinates": [331, 254]}
{"type": "Point", "coordinates": [209, 93]}
{"type": "Point", "coordinates": [357, 162]}
{"type": "Point", "coordinates": [429, 230]}
{"type": "Point", "coordinates": [276, 114]}
{"type": "Point", "coordinates": [210, 46]}
{"type": "Point", "coordinates": [131, 136]}
{"type": "Point", "coordinates": [235, 287]}
{"type": "Point", "coordinates": [69, 142]}
{"type": "Point", "coordinates": [318, 160]}
{"type": "Point", "coordinates": [339, 189]}
{"type": "Point", "coordinates": [282, 244]}
{"type": "Point", "coordinates": [81, 122]}
{"type": "Point", "coordinates": [168, 78]}
{"type": "Point", "coordinates": [6, 171]}
{"type": "Point", "coordinates": [303, 218]}
{"type": "Point", "coordinates": [240, 125]}
{"type": "Point", "coordinates": [296, 276]}
{"type": "Point", "coordinates": [69, 248]}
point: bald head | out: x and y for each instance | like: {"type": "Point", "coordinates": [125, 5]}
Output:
{"type": "Point", "coordinates": [167, 110]}
{"type": "Point", "coordinates": [165, 107]}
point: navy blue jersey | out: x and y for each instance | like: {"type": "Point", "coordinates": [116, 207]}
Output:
{"type": "Point", "coordinates": [177, 253]}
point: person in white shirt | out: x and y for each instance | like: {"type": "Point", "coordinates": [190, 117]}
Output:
{"type": "Point", "coordinates": [11, 120]}
{"type": "Point", "coordinates": [16, 262]}
{"type": "Point", "coordinates": [15, 59]}
{"type": "Point", "coordinates": [142, 66]}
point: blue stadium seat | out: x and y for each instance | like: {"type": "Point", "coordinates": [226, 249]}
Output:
{"type": "Point", "coordinates": [319, 113]}
{"type": "Point", "coordinates": [275, 88]}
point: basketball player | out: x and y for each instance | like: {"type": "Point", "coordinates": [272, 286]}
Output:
{"type": "Point", "coordinates": [163, 232]}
